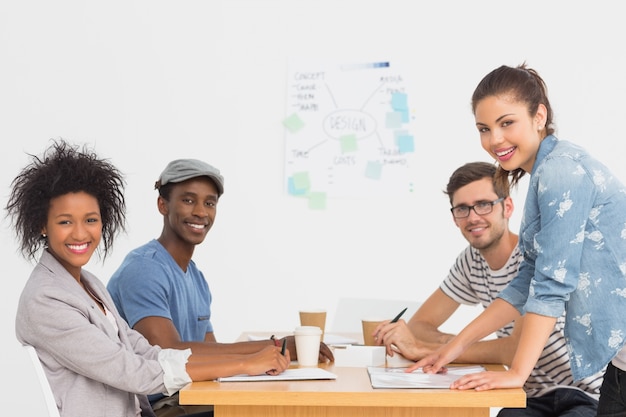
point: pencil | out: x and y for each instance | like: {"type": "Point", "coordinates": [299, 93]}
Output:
{"type": "Point", "coordinates": [282, 350]}
{"type": "Point", "coordinates": [396, 318]}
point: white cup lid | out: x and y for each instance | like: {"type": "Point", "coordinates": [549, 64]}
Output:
{"type": "Point", "coordinates": [308, 330]}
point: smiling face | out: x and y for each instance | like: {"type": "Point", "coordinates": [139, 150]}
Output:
{"type": "Point", "coordinates": [190, 211]}
{"type": "Point", "coordinates": [74, 230]}
{"type": "Point", "coordinates": [482, 231]}
{"type": "Point", "coordinates": [508, 132]}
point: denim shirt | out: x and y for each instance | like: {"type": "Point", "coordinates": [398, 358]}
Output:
{"type": "Point", "coordinates": [573, 239]}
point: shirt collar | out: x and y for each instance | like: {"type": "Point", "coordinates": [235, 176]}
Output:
{"type": "Point", "coordinates": [545, 147]}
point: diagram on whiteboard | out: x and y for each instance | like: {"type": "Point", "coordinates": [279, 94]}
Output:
{"type": "Point", "coordinates": [348, 131]}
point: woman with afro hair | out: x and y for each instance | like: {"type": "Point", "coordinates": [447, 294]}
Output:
{"type": "Point", "coordinates": [67, 204]}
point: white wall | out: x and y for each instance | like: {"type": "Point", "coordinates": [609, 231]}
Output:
{"type": "Point", "coordinates": [149, 81]}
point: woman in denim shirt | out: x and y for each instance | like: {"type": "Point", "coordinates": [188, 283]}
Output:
{"type": "Point", "coordinates": [573, 237]}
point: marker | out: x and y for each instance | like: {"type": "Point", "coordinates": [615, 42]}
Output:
{"type": "Point", "coordinates": [396, 318]}
{"type": "Point", "coordinates": [365, 66]}
{"type": "Point", "coordinates": [282, 350]}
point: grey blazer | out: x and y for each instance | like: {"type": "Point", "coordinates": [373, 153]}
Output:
{"type": "Point", "coordinates": [93, 370]}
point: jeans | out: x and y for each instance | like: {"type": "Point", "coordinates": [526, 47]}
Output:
{"type": "Point", "coordinates": [561, 402]}
{"type": "Point", "coordinates": [613, 393]}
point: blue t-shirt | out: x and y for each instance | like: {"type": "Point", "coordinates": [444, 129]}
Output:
{"type": "Point", "coordinates": [150, 283]}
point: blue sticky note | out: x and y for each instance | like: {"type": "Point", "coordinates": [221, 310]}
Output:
{"type": "Point", "coordinates": [291, 188]}
{"type": "Point", "coordinates": [404, 114]}
{"type": "Point", "coordinates": [399, 101]}
{"type": "Point", "coordinates": [405, 143]}
{"type": "Point", "coordinates": [373, 170]}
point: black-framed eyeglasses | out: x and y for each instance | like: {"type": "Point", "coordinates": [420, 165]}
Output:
{"type": "Point", "coordinates": [482, 208]}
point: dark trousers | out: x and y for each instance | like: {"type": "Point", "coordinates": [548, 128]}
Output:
{"type": "Point", "coordinates": [561, 402]}
{"type": "Point", "coordinates": [169, 407]}
{"type": "Point", "coordinates": [613, 393]}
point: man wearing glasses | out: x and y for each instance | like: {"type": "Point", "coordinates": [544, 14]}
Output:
{"type": "Point", "coordinates": [482, 211]}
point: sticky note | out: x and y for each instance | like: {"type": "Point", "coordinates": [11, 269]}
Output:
{"type": "Point", "coordinates": [348, 143]}
{"type": "Point", "coordinates": [317, 200]}
{"type": "Point", "coordinates": [293, 123]}
{"type": "Point", "coordinates": [373, 170]}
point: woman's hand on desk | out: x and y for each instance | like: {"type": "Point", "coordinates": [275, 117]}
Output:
{"type": "Point", "coordinates": [436, 361]}
{"type": "Point", "coordinates": [326, 355]}
{"type": "Point", "coordinates": [489, 380]}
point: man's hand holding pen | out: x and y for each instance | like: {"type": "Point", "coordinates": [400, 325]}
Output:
{"type": "Point", "coordinates": [398, 338]}
{"type": "Point", "coordinates": [386, 330]}
{"type": "Point", "coordinates": [279, 356]}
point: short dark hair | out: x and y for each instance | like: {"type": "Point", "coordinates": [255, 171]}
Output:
{"type": "Point", "coordinates": [474, 171]}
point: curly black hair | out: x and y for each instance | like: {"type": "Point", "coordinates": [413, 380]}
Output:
{"type": "Point", "coordinates": [63, 169]}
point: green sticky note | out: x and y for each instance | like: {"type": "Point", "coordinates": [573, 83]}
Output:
{"type": "Point", "coordinates": [317, 200]}
{"type": "Point", "coordinates": [348, 143]}
{"type": "Point", "coordinates": [293, 123]}
{"type": "Point", "coordinates": [301, 180]}
{"type": "Point", "coordinates": [393, 120]}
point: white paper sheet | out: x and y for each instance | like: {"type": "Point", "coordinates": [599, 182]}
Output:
{"type": "Point", "coordinates": [397, 377]}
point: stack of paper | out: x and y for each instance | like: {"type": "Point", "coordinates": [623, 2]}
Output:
{"type": "Point", "coordinates": [359, 356]}
{"type": "Point", "coordinates": [398, 378]}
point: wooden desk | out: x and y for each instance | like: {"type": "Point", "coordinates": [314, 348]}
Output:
{"type": "Point", "coordinates": [350, 395]}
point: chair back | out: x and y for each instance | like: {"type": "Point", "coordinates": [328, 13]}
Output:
{"type": "Point", "coordinates": [46, 391]}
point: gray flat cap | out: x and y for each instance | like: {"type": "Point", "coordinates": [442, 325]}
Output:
{"type": "Point", "coordinates": [181, 170]}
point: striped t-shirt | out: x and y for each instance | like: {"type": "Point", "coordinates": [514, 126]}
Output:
{"type": "Point", "coordinates": [471, 281]}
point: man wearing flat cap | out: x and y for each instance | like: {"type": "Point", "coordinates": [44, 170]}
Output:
{"type": "Point", "coordinates": [158, 288]}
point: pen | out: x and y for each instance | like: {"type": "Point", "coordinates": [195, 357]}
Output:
{"type": "Point", "coordinates": [282, 350]}
{"type": "Point", "coordinates": [396, 318]}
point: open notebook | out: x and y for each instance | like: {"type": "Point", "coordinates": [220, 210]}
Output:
{"type": "Point", "coordinates": [397, 378]}
{"type": "Point", "coordinates": [292, 374]}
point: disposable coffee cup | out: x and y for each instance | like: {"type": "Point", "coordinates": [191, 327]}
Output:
{"type": "Point", "coordinates": [308, 340]}
{"type": "Point", "coordinates": [369, 325]}
{"type": "Point", "coordinates": [313, 317]}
